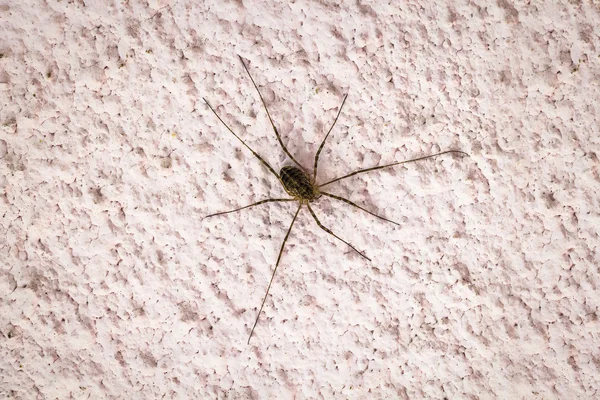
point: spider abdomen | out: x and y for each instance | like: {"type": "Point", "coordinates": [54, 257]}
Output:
{"type": "Point", "coordinates": [297, 184]}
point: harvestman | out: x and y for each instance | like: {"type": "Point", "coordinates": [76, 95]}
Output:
{"type": "Point", "coordinates": [303, 188]}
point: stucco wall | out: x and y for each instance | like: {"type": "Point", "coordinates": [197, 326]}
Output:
{"type": "Point", "coordinates": [112, 285]}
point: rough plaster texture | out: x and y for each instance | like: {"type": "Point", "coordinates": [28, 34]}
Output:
{"type": "Point", "coordinates": [113, 286]}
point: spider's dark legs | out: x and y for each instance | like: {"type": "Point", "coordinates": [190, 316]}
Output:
{"type": "Point", "coordinates": [244, 143]}
{"type": "Point", "coordinates": [250, 205]}
{"type": "Point", "coordinates": [324, 139]}
{"type": "Point", "coordinates": [356, 205]}
{"type": "Point", "coordinates": [269, 115]}
{"type": "Point", "coordinates": [360, 171]}
{"type": "Point", "coordinates": [331, 233]}
{"type": "Point", "coordinates": [275, 270]}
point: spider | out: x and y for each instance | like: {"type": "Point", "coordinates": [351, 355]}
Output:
{"type": "Point", "coordinates": [302, 186]}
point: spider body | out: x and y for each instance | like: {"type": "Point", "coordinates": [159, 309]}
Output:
{"type": "Point", "coordinates": [298, 184]}
{"type": "Point", "coordinates": [303, 188]}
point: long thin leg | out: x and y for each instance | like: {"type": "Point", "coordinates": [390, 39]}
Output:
{"type": "Point", "coordinates": [248, 206]}
{"type": "Point", "coordinates": [333, 234]}
{"type": "Point", "coordinates": [269, 115]}
{"type": "Point", "coordinates": [360, 171]}
{"type": "Point", "coordinates": [274, 271]}
{"type": "Point", "coordinates": [325, 138]}
{"type": "Point", "coordinates": [357, 206]}
{"type": "Point", "coordinates": [244, 143]}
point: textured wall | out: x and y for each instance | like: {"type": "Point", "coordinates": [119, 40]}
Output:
{"type": "Point", "coordinates": [112, 285]}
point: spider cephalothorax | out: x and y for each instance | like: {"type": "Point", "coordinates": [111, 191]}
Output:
{"type": "Point", "coordinates": [302, 188]}
{"type": "Point", "coordinates": [297, 184]}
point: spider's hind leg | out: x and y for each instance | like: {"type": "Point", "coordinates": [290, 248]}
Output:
{"type": "Point", "coordinates": [333, 234]}
{"type": "Point", "coordinates": [274, 271]}
{"type": "Point", "coordinates": [356, 205]}
{"type": "Point", "coordinates": [250, 205]}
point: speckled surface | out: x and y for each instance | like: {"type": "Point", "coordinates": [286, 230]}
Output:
{"type": "Point", "coordinates": [112, 285]}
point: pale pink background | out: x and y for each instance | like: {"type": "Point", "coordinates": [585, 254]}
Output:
{"type": "Point", "coordinates": [113, 286]}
